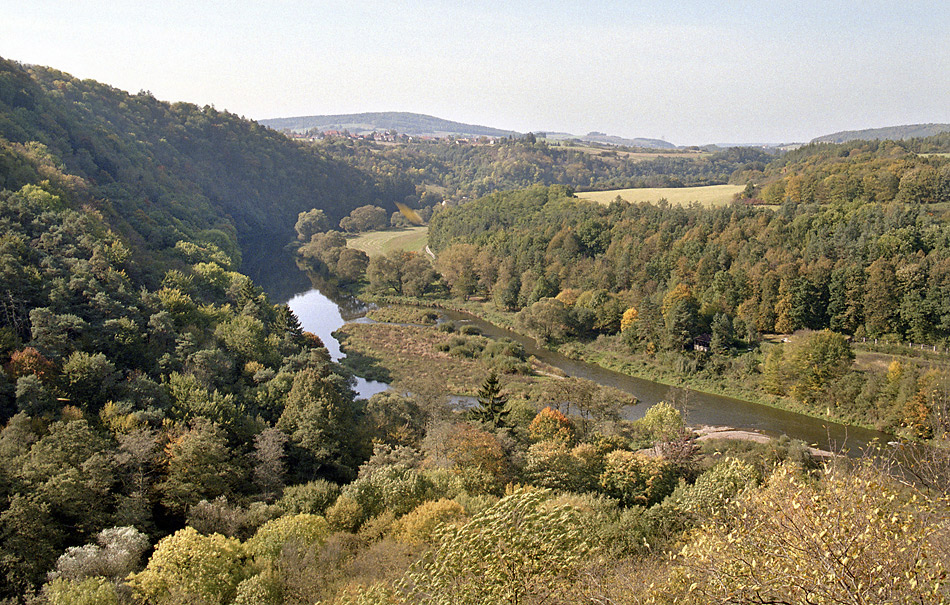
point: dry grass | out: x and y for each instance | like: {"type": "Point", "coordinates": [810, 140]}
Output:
{"type": "Point", "coordinates": [410, 351]}
{"type": "Point", "coordinates": [711, 195]}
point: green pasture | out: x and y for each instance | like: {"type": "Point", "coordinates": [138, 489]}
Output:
{"type": "Point", "coordinates": [375, 243]}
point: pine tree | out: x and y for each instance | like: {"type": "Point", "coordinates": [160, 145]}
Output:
{"type": "Point", "coordinates": [493, 404]}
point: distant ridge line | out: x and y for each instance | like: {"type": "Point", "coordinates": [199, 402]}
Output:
{"type": "Point", "coordinates": [894, 133]}
{"type": "Point", "coordinates": [413, 124]}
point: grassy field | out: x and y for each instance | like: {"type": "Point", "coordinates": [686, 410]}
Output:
{"type": "Point", "coordinates": [712, 195]}
{"type": "Point", "coordinates": [375, 243]}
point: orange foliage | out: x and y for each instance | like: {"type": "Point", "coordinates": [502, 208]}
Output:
{"type": "Point", "coordinates": [551, 425]}
{"type": "Point", "coordinates": [29, 361]}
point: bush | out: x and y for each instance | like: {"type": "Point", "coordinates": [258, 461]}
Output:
{"type": "Point", "coordinates": [419, 526]}
{"type": "Point", "coordinates": [306, 530]}
{"type": "Point", "coordinates": [635, 478]}
{"type": "Point", "coordinates": [523, 549]}
{"type": "Point", "coordinates": [314, 497]}
{"type": "Point", "coordinates": [390, 488]}
{"type": "Point", "coordinates": [717, 486]}
{"type": "Point", "coordinates": [346, 514]}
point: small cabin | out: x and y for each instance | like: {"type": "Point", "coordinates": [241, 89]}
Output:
{"type": "Point", "coordinates": [702, 342]}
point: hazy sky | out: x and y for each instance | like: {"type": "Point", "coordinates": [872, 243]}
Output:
{"type": "Point", "coordinates": [688, 71]}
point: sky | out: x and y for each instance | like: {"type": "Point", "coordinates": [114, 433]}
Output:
{"type": "Point", "coordinates": [690, 72]}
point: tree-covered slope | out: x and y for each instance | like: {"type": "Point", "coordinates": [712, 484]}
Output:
{"type": "Point", "coordinates": [894, 133]}
{"type": "Point", "coordinates": [170, 171]}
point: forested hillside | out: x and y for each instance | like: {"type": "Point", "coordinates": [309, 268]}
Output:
{"type": "Point", "coordinates": [861, 171]}
{"type": "Point", "coordinates": [161, 172]}
{"type": "Point", "coordinates": [668, 280]}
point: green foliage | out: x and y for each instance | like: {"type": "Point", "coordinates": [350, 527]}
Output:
{"type": "Point", "coordinates": [320, 421]}
{"type": "Point", "coordinates": [365, 218]}
{"type": "Point", "coordinates": [493, 404]}
{"type": "Point", "coordinates": [304, 530]}
{"type": "Point", "coordinates": [313, 497]}
{"type": "Point", "coordinates": [91, 591]}
{"type": "Point", "coordinates": [716, 487]}
{"type": "Point", "coordinates": [393, 488]}
{"type": "Point", "coordinates": [661, 423]}
{"type": "Point", "coordinates": [470, 170]}
{"type": "Point", "coordinates": [808, 365]}
{"type": "Point", "coordinates": [199, 467]}
{"type": "Point", "coordinates": [192, 165]}
{"type": "Point", "coordinates": [636, 478]}
{"type": "Point", "coordinates": [311, 222]}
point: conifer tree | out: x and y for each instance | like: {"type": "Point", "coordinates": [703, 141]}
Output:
{"type": "Point", "coordinates": [493, 404]}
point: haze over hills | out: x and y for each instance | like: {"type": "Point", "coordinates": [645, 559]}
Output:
{"type": "Point", "coordinates": [600, 137]}
{"type": "Point", "coordinates": [421, 125]}
{"type": "Point", "coordinates": [413, 124]}
{"type": "Point", "coordinates": [895, 133]}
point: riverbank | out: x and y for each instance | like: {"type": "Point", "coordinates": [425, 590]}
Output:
{"type": "Point", "coordinates": [604, 353]}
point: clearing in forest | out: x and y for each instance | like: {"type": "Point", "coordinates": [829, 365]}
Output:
{"type": "Point", "coordinates": [710, 195]}
{"type": "Point", "coordinates": [375, 243]}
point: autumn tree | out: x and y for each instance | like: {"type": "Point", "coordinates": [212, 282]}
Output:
{"type": "Point", "coordinates": [844, 537]}
{"type": "Point", "coordinates": [187, 567]}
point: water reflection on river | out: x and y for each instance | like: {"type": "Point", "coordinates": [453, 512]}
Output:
{"type": "Point", "coordinates": [322, 316]}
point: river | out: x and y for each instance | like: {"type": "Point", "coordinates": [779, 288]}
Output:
{"type": "Point", "coordinates": [322, 315]}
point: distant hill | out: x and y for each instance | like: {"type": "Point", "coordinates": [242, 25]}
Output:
{"type": "Point", "coordinates": [420, 125]}
{"type": "Point", "coordinates": [413, 124]}
{"type": "Point", "coordinates": [606, 139]}
{"type": "Point", "coordinates": [894, 133]}
{"type": "Point", "coordinates": [600, 137]}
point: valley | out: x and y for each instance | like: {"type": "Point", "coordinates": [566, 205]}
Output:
{"type": "Point", "coordinates": [245, 367]}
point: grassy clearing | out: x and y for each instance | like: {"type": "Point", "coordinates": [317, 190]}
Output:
{"type": "Point", "coordinates": [412, 352]}
{"type": "Point", "coordinates": [376, 243]}
{"type": "Point", "coordinates": [711, 195]}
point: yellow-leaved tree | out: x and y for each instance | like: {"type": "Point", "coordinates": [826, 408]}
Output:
{"type": "Point", "coordinates": [845, 537]}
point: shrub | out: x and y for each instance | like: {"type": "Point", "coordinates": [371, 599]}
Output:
{"type": "Point", "coordinates": [523, 549]}
{"type": "Point", "coordinates": [306, 530]}
{"type": "Point", "coordinates": [419, 526]}
{"type": "Point", "coordinates": [314, 497]}
{"type": "Point", "coordinates": [636, 478]}
{"type": "Point", "coordinates": [843, 538]}
{"type": "Point", "coordinates": [390, 488]}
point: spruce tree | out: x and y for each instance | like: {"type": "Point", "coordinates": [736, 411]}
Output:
{"type": "Point", "coordinates": [493, 404]}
